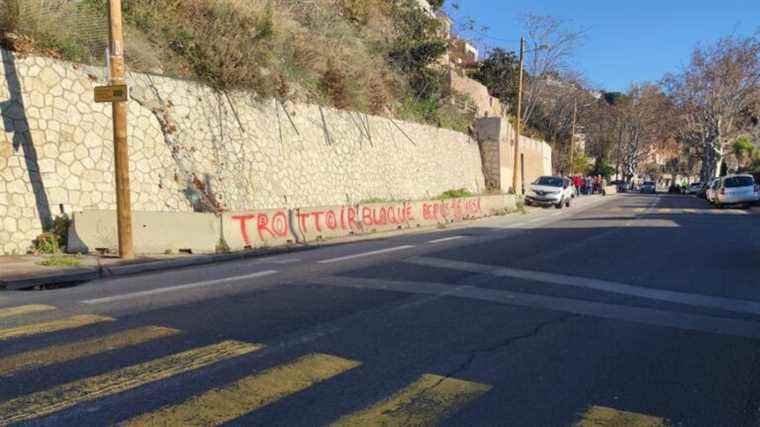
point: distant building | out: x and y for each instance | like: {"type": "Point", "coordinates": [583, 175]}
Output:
{"type": "Point", "coordinates": [461, 56]}
{"type": "Point", "coordinates": [426, 7]}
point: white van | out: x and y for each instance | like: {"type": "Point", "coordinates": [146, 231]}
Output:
{"type": "Point", "coordinates": [736, 190]}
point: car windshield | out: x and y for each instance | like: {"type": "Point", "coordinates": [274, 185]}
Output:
{"type": "Point", "coordinates": [649, 183]}
{"type": "Point", "coordinates": [549, 181]}
{"type": "Point", "coordinates": [739, 181]}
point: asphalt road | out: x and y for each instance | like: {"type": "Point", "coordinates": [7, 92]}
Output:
{"type": "Point", "coordinates": [627, 310]}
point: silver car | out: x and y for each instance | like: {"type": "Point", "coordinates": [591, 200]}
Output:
{"type": "Point", "coordinates": [648, 187]}
{"type": "Point", "coordinates": [550, 191]}
{"type": "Point", "coordinates": [693, 188]}
{"type": "Point", "coordinates": [736, 190]}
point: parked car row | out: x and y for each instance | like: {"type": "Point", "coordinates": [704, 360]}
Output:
{"type": "Point", "coordinates": [731, 190]}
{"type": "Point", "coordinates": [649, 187]}
{"type": "Point", "coordinates": [622, 186]}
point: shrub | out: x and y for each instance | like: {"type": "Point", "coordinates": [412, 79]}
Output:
{"type": "Point", "coordinates": [373, 200]}
{"type": "Point", "coordinates": [452, 117]}
{"type": "Point", "coordinates": [334, 85]}
{"type": "Point", "coordinates": [222, 247]}
{"type": "Point", "coordinates": [380, 55]}
{"type": "Point", "coordinates": [9, 15]}
{"type": "Point", "coordinates": [60, 228]}
{"type": "Point", "coordinates": [455, 194]}
{"type": "Point", "coordinates": [46, 243]}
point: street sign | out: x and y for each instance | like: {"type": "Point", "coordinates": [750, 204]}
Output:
{"type": "Point", "coordinates": [112, 93]}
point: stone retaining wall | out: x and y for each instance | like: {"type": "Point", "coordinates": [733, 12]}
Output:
{"type": "Point", "coordinates": [195, 149]}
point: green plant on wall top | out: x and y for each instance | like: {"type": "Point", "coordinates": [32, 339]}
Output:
{"type": "Point", "coordinates": [454, 194]}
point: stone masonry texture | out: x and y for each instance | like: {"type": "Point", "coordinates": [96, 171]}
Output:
{"type": "Point", "coordinates": [195, 149]}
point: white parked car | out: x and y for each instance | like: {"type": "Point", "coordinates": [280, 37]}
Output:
{"type": "Point", "coordinates": [550, 191]}
{"type": "Point", "coordinates": [736, 190]}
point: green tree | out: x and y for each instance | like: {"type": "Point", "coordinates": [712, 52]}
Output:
{"type": "Point", "coordinates": [418, 45]}
{"type": "Point", "coordinates": [602, 168]}
{"type": "Point", "coordinates": [499, 73]}
{"type": "Point", "coordinates": [743, 150]}
{"type": "Point", "coordinates": [436, 4]}
{"type": "Point", "coordinates": [581, 163]}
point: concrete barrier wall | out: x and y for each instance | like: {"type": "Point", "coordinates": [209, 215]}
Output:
{"type": "Point", "coordinates": [154, 232]}
{"type": "Point", "coordinates": [159, 232]}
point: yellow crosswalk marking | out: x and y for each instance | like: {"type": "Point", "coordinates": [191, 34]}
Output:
{"type": "Point", "coordinates": [52, 326]}
{"type": "Point", "coordinates": [617, 210]}
{"type": "Point", "coordinates": [64, 353]}
{"type": "Point", "coordinates": [690, 211]}
{"type": "Point", "coordinates": [665, 210]}
{"type": "Point", "coordinates": [248, 394]}
{"type": "Point", "coordinates": [425, 402]}
{"type": "Point", "coordinates": [599, 416]}
{"type": "Point", "coordinates": [24, 309]}
{"type": "Point", "coordinates": [640, 210]}
{"type": "Point", "coordinates": [65, 396]}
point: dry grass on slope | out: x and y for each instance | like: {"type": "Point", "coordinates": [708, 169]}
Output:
{"type": "Point", "coordinates": [330, 52]}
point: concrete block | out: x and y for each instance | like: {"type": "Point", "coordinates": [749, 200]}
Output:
{"type": "Point", "coordinates": [154, 232]}
{"type": "Point", "coordinates": [432, 212]}
{"type": "Point", "coordinates": [378, 217]}
{"type": "Point", "coordinates": [315, 224]}
{"type": "Point", "coordinates": [256, 229]}
{"type": "Point", "coordinates": [491, 205]}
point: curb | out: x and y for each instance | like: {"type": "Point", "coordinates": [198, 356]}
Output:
{"type": "Point", "coordinates": [101, 272]}
{"type": "Point", "coordinates": [94, 273]}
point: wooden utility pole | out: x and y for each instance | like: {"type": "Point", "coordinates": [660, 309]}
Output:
{"type": "Point", "coordinates": [572, 138]}
{"type": "Point", "coordinates": [516, 170]}
{"type": "Point", "coordinates": [121, 148]}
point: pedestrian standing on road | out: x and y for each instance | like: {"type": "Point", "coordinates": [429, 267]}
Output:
{"type": "Point", "coordinates": [578, 183]}
{"type": "Point", "coordinates": [589, 186]}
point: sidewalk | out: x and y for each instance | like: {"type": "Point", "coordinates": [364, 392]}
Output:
{"type": "Point", "coordinates": [26, 272]}
{"type": "Point", "coordinates": [23, 272]}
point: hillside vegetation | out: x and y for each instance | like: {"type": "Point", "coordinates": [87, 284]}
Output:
{"type": "Point", "coordinates": [362, 55]}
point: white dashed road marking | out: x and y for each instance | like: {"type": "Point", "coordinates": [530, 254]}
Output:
{"type": "Point", "coordinates": [696, 300]}
{"type": "Point", "coordinates": [365, 254]}
{"type": "Point", "coordinates": [179, 288]}
{"type": "Point", "coordinates": [446, 239]}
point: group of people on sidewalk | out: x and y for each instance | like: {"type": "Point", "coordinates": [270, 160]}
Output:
{"type": "Point", "coordinates": [586, 186]}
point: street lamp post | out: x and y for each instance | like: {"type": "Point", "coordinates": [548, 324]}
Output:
{"type": "Point", "coordinates": [517, 164]}
{"type": "Point", "coordinates": [572, 138]}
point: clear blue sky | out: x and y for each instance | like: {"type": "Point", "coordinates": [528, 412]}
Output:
{"type": "Point", "coordinates": [627, 40]}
